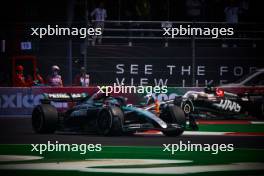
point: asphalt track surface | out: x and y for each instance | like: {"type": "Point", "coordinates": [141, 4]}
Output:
{"type": "Point", "coordinates": [18, 131]}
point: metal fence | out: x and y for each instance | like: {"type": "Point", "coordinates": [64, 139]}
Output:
{"type": "Point", "coordinates": [72, 52]}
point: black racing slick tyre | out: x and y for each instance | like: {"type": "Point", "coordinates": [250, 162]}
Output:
{"type": "Point", "coordinates": [257, 109]}
{"type": "Point", "coordinates": [187, 107]}
{"type": "Point", "coordinates": [259, 113]}
{"type": "Point", "coordinates": [173, 133]}
{"type": "Point", "coordinates": [175, 115]}
{"type": "Point", "coordinates": [44, 118]}
{"type": "Point", "coordinates": [110, 121]}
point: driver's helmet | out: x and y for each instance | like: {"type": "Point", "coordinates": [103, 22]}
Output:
{"type": "Point", "coordinates": [149, 99]}
{"type": "Point", "coordinates": [208, 89]}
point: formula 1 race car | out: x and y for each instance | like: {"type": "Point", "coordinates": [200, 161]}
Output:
{"type": "Point", "coordinates": [217, 103]}
{"type": "Point", "coordinates": [105, 115]}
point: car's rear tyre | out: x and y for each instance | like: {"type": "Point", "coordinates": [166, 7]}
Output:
{"type": "Point", "coordinates": [110, 121]}
{"type": "Point", "coordinates": [187, 107]}
{"type": "Point", "coordinates": [260, 114]}
{"type": "Point", "coordinates": [44, 118]}
{"type": "Point", "coordinates": [257, 109]}
{"type": "Point", "coordinates": [174, 114]}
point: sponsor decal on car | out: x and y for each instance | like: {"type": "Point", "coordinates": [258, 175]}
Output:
{"type": "Point", "coordinates": [229, 105]}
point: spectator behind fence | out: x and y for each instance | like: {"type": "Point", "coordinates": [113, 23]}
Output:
{"type": "Point", "coordinates": [38, 80]}
{"type": "Point", "coordinates": [194, 9]}
{"type": "Point", "coordinates": [55, 79]}
{"type": "Point", "coordinates": [20, 80]}
{"type": "Point", "coordinates": [231, 12]}
{"type": "Point", "coordinates": [99, 15]}
{"type": "Point", "coordinates": [82, 79]}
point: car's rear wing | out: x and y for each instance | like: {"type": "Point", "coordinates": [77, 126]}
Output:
{"type": "Point", "coordinates": [63, 97]}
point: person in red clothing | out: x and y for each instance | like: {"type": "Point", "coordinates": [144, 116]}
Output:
{"type": "Point", "coordinates": [19, 80]}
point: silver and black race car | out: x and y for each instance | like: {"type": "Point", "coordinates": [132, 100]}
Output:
{"type": "Point", "coordinates": [105, 115]}
{"type": "Point", "coordinates": [218, 103]}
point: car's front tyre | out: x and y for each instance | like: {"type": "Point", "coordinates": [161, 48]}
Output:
{"type": "Point", "coordinates": [110, 121]}
{"type": "Point", "coordinates": [173, 133]}
{"type": "Point", "coordinates": [174, 114]}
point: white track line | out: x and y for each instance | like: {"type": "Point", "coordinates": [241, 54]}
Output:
{"type": "Point", "coordinates": [201, 133]}
{"type": "Point", "coordinates": [257, 122]}
{"type": "Point", "coordinates": [204, 133]}
{"type": "Point", "coordinates": [196, 133]}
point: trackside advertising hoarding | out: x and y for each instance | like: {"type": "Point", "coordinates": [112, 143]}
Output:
{"type": "Point", "coordinates": [21, 101]}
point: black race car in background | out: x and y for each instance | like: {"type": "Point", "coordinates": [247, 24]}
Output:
{"type": "Point", "coordinates": [105, 115]}
{"type": "Point", "coordinates": [218, 103]}
{"type": "Point", "coordinates": [243, 98]}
